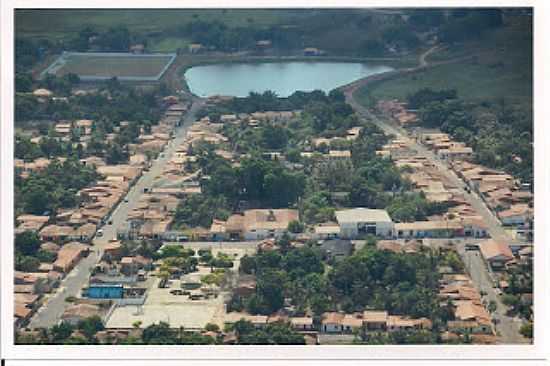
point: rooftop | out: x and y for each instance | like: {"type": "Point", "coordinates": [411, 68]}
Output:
{"type": "Point", "coordinates": [491, 249]}
{"type": "Point", "coordinates": [361, 214]}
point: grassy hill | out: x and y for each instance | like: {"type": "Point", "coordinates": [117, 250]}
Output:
{"type": "Point", "coordinates": [500, 69]}
{"type": "Point", "coordinates": [60, 24]}
{"type": "Point", "coordinates": [337, 31]}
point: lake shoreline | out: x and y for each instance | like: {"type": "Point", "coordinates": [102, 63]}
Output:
{"type": "Point", "coordinates": [185, 62]}
{"type": "Point", "coordinates": [281, 75]}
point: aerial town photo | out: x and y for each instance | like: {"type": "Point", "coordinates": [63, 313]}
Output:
{"type": "Point", "coordinates": [357, 176]}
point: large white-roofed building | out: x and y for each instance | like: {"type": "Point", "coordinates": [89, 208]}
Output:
{"type": "Point", "coordinates": [357, 222]}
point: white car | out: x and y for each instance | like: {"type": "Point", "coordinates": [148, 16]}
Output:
{"type": "Point", "coordinates": [99, 233]}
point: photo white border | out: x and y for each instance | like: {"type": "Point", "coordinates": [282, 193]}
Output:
{"type": "Point", "coordinates": [537, 351]}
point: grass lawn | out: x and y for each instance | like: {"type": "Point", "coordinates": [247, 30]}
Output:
{"type": "Point", "coordinates": [84, 65]}
{"type": "Point", "coordinates": [167, 45]}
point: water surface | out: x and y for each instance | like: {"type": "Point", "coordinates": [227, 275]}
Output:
{"type": "Point", "coordinates": [284, 78]}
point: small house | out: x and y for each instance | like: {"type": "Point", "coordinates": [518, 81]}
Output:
{"type": "Point", "coordinates": [332, 322]}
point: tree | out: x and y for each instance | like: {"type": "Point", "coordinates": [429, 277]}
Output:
{"type": "Point", "coordinates": [247, 264]}
{"type": "Point", "coordinates": [365, 194]}
{"type": "Point", "coordinates": [60, 332]}
{"type": "Point", "coordinates": [212, 327]}
{"type": "Point", "coordinates": [468, 25]}
{"type": "Point", "coordinates": [116, 39]}
{"type": "Point", "coordinates": [424, 19]}
{"type": "Point", "coordinates": [25, 149]}
{"type": "Point", "coordinates": [75, 341]}
{"type": "Point", "coordinates": [427, 95]}
{"type": "Point", "coordinates": [27, 264]}
{"type": "Point", "coordinates": [276, 333]}
{"type": "Point", "coordinates": [401, 36]}
{"type": "Point", "coordinates": [284, 243]}
{"type": "Point", "coordinates": [23, 82]}
{"type": "Point", "coordinates": [90, 326]}
{"type": "Point", "coordinates": [372, 47]}
{"type": "Point", "coordinates": [159, 334]}
{"type": "Point", "coordinates": [510, 300]}
{"type": "Point", "coordinates": [527, 330]}
{"type": "Point", "coordinates": [164, 275]}
{"type": "Point", "coordinates": [269, 289]}
{"type": "Point", "coordinates": [115, 154]}
{"type": "Point", "coordinates": [200, 210]}
{"type": "Point", "coordinates": [172, 251]}
{"type": "Point", "coordinates": [205, 256]}
{"type": "Point", "coordinates": [319, 304]}
{"type": "Point", "coordinates": [27, 243]}
{"type": "Point", "coordinates": [303, 260]}
{"type": "Point", "coordinates": [295, 226]}
{"type": "Point", "coordinates": [36, 200]}
{"type": "Point", "coordinates": [224, 181]}
{"type": "Point", "coordinates": [274, 137]}
{"type": "Point", "coordinates": [316, 207]}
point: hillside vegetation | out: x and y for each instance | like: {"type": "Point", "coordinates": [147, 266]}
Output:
{"type": "Point", "coordinates": [500, 67]}
{"type": "Point", "coordinates": [491, 79]}
{"type": "Point", "coordinates": [350, 32]}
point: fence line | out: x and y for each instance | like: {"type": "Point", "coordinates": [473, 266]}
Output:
{"type": "Point", "coordinates": [62, 59]}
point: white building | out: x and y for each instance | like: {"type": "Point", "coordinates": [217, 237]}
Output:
{"type": "Point", "coordinates": [363, 221]}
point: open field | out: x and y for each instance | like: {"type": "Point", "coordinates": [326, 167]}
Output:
{"type": "Point", "coordinates": [96, 66]}
{"type": "Point", "coordinates": [338, 31]}
{"type": "Point", "coordinates": [472, 80]}
{"type": "Point", "coordinates": [168, 44]}
{"type": "Point", "coordinates": [500, 69]}
{"type": "Point", "coordinates": [55, 24]}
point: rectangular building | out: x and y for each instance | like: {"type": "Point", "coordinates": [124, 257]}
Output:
{"type": "Point", "coordinates": [358, 222]}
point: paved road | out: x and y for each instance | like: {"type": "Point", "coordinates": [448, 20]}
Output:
{"type": "Point", "coordinates": [507, 327]}
{"type": "Point", "coordinates": [495, 228]}
{"type": "Point", "coordinates": [252, 244]}
{"type": "Point", "coordinates": [49, 314]}
{"type": "Point", "coordinates": [120, 214]}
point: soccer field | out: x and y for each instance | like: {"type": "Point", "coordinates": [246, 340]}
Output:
{"type": "Point", "coordinates": [102, 66]}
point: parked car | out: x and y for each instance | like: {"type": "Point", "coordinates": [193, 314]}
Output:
{"type": "Point", "coordinates": [99, 233]}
